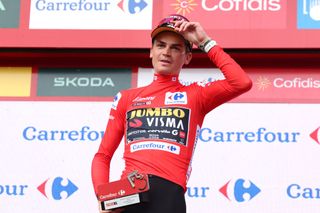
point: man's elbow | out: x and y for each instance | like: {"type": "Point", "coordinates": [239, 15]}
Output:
{"type": "Point", "coordinates": [243, 86]}
{"type": "Point", "coordinates": [246, 85]}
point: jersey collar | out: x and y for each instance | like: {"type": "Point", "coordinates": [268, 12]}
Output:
{"type": "Point", "coordinates": [161, 78]}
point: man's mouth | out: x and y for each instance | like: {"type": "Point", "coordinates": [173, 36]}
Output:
{"type": "Point", "coordinates": [165, 61]}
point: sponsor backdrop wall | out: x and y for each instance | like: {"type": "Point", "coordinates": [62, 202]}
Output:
{"type": "Point", "coordinates": [127, 23]}
{"type": "Point", "coordinates": [258, 153]}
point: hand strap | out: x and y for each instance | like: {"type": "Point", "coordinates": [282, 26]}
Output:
{"type": "Point", "coordinates": [206, 46]}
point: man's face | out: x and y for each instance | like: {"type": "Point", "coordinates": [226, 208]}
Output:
{"type": "Point", "coordinates": [169, 53]}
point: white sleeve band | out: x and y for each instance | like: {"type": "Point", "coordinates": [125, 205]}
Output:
{"type": "Point", "coordinates": [207, 47]}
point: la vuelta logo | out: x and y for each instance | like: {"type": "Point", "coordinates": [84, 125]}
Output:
{"type": "Point", "coordinates": [315, 135]}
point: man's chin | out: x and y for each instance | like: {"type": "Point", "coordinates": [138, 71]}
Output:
{"type": "Point", "coordinates": [165, 72]}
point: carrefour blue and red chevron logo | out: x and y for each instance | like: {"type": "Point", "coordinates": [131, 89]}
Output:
{"type": "Point", "coordinates": [176, 98]}
{"type": "Point", "coordinates": [57, 188]}
{"type": "Point", "coordinates": [132, 6]}
{"type": "Point", "coordinates": [315, 135]}
{"type": "Point", "coordinates": [240, 190]}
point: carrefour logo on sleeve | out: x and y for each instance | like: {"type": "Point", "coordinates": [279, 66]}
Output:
{"type": "Point", "coordinates": [308, 12]}
{"type": "Point", "coordinates": [57, 188]}
{"type": "Point", "coordinates": [240, 190]}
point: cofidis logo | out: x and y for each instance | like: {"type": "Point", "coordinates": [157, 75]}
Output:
{"type": "Point", "coordinates": [308, 14]}
{"type": "Point", "coordinates": [240, 190]}
{"type": "Point", "coordinates": [234, 14]}
{"type": "Point", "coordinates": [297, 86]}
{"type": "Point", "coordinates": [57, 188]}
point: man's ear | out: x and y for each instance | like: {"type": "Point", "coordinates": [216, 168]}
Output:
{"type": "Point", "coordinates": [150, 53]}
{"type": "Point", "coordinates": [188, 58]}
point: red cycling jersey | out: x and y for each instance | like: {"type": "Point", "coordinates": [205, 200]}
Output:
{"type": "Point", "coordinates": [161, 122]}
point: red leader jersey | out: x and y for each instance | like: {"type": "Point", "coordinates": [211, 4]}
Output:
{"type": "Point", "coordinates": [161, 122]}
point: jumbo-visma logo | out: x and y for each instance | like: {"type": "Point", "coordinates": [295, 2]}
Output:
{"type": "Point", "coordinates": [132, 6]}
{"type": "Point", "coordinates": [57, 188]}
{"type": "Point", "coordinates": [240, 190]}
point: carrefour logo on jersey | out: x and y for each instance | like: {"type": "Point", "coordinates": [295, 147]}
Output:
{"type": "Point", "coordinates": [91, 14]}
{"type": "Point", "coordinates": [237, 190]}
{"type": "Point", "coordinates": [167, 147]}
{"type": "Point", "coordinates": [176, 98]}
{"type": "Point", "coordinates": [259, 135]}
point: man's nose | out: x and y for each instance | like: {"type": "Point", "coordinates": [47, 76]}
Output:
{"type": "Point", "coordinates": [167, 51]}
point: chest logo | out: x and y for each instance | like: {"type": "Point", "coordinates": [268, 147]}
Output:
{"type": "Point", "coordinates": [176, 98]}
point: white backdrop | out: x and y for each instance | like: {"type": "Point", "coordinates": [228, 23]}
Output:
{"type": "Point", "coordinates": [285, 175]}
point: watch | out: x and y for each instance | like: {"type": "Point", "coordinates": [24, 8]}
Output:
{"type": "Point", "coordinates": [206, 46]}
